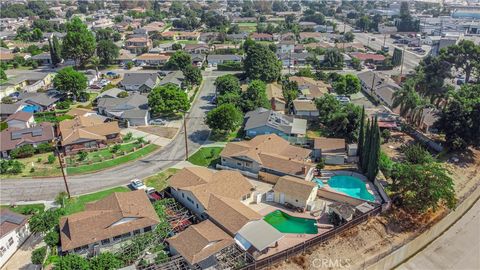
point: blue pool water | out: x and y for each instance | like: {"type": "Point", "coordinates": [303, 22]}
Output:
{"type": "Point", "coordinates": [352, 186]}
{"type": "Point", "coordinates": [31, 108]}
{"type": "Point", "coordinates": [319, 182]}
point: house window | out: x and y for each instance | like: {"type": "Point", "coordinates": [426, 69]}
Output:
{"type": "Point", "coordinates": [136, 232]}
{"type": "Point", "coordinates": [147, 229]}
{"type": "Point", "coordinates": [10, 241]}
{"type": "Point", "coordinates": [190, 200]}
{"type": "Point", "coordinates": [125, 235]}
{"type": "Point", "coordinates": [239, 164]}
{"type": "Point", "coordinates": [2, 250]}
{"type": "Point", "coordinates": [116, 238]}
{"type": "Point", "coordinates": [105, 241]}
{"type": "Point", "coordinates": [183, 195]}
{"type": "Point", "coordinates": [197, 205]}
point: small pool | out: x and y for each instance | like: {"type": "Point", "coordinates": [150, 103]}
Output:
{"type": "Point", "coordinates": [352, 186]}
{"type": "Point", "coordinates": [287, 224]}
{"type": "Point", "coordinates": [31, 108]}
{"type": "Point", "coordinates": [319, 182]}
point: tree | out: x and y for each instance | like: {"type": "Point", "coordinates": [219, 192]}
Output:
{"type": "Point", "coordinates": [26, 150]}
{"type": "Point", "coordinates": [290, 92]}
{"type": "Point", "coordinates": [416, 154]}
{"type": "Point", "coordinates": [122, 94]}
{"type": "Point", "coordinates": [71, 261]}
{"type": "Point", "coordinates": [51, 159]}
{"type": "Point", "coordinates": [363, 23]}
{"type": "Point", "coordinates": [465, 57]}
{"type": "Point", "coordinates": [11, 166]}
{"type": "Point", "coordinates": [333, 59]}
{"type": "Point", "coordinates": [45, 221]}
{"type": "Point", "coordinates": [407, 99]}
{"type": "Point", "coordinates": [61, 199]}
{"type": "Point", "coordinates": [106, 261]}
{"type": "Point", "coordinates": [79, 43]}
{"type": "Point", "coordinates": [193, 75]}
{"type": "Point", "coordinates": [225, 117]}
{"type": "Point", "coordinates": [374, 154]}
{"type": "Point", "coordinates": [460, 120]}
{"type": "Point", "coordinates": [345, 122]}
{"type": "Point", "coordinates": [230, 98]}
{"type": "Point", "coordinates": [340, 85]}
{"type": "Point", "coordinates": [38, 255]}
{"type": "Point", "coordinates": [397, 57]}
{"type": "Point", "coordinates": [176, 46]}
{"type": "Point", "coordinates": [107, 51]}
{"type": "Point", "coordinates": [348, 36]}
{"type": "Point", "coordinates": [326, 105]}
{"type": "Point", "coordinates": [179, 60]}
{"type": "Point", "coordinates": [55, 51]}
{"type": "Point", "coordinates": [279, 6]}
{"type": "Point", "coordinates": [3, 76]}
{"type": "Point", "coordinates": [70, 81]}
{"type": "Point", "coordinates": [36, 35]}
{"type": "Point", "coordinates": [419, 187]}
{"type": "Point", "coordinates": [168, 98]}
{"type": "Point", "coordinates": [226, 84]}
{"type": "Point", "coordinates": [104, 34]}
{"type": "Point", "coordinates": [261, 63]}
{"type": "Point", "coordinates": [361, 135]}
{"type": "Point", "coordinates": [255, 96]}
{"type": "Point", "coordinates": [353, 84]}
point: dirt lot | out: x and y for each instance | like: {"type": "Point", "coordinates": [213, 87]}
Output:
{"type": "Point", "coordinates": [165, 132]}
{"type": "Point", "coordinates": [381, 234]}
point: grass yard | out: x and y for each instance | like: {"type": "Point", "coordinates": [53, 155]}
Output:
{"type": "Point", "coordinates": [104, 154]}
{"type": "Point", "coordinates": [113, 162]}
{"type": "Point", "coordinates": [51, 118]}
{"type": "Point", "coordinates": [77, 204]}
{"type": "Point", "coordinates": [40, 167]}
{"type": "Point", "coordinates": [159, 180]}
{"type": "Point", "coordinates": [187, 41]}
{"type": "Point", "coordinates": [314, 130]}
{"type": "Point", "coordinates": [206, 156]}
{"type": "Point", "coordinates": [225, 137]}
{"type": "Point", "coordinates": [3, 125]}
{"type": "Point", "coordinates": [26, 209]}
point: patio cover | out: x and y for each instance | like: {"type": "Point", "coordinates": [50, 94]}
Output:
{"type": "Point", "coordinates": [258, 234]}
{"type": "Point", "coordinates": [386, 124]}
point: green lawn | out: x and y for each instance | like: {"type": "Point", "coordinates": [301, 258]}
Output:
{"type": "Point", "coordinates": [187, 41]}
{"type": "Point", "coordinates": [225, 137]}
{"type": "Point", "coordinates": [40, 165]}
{"type": "Point", "coordinates": [113, 162]}
{"type": "Point", "coordinates": [159, 180]}
{"type": "Point", "coordinates": [206, 156]}
{"type": "Point", "coordinates": [26, 209]}
{"type": "Point", "coordinates": [106, 153]}
{"type": "Point", "coordinates": [51, 118]}
{"type": "Point", "coordinates": [3, 125]}
{"type": "Point", "coordinates": [247, 24]}
{"type": "Point", "coordinates": [77, 204]}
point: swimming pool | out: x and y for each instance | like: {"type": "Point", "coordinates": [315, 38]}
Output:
{"type": "Point", "coordinates": [287, 224]}
{"type": "Point", "coordinates": [352, 186]}
{"type": "Point", "coordinates": [319, 182]}
{"type": "Point", "coordinates": [31, 108]}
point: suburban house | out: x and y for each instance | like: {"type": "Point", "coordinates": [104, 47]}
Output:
{"type": "Point", "coordinates": [27, 81]}
{"type": "Point", "coordinates": [373, 58]}
{"type": "Point", "coordinates": [14, 137]}
{"type": "Point", "coordinates": [305, 108]}
{"type": "Point", "coordinates": [42, 59]}
{"type": "Point", "coordinates": [198, 59]}
{"type": "Point", "coordinates": [174, 77]}
{"type": "Point", "coordinates": [295, 191]}
{"type": "Point", "coordinates": [110, 93]}
{"type": "Point", "coordinates": [261, 37]}
{"type": "Point", "coordinates": [332, 150]}
{"type": "Point", "coordinates": [215, 59]}
{"type": "Point", "coordinates": [87, 133]}
{"type": "Point", "coordinates": [237, 37]}
{"type": "Point", "coordinates": [275, 95]}
{"type": "Point", "coordinates": [309, 87]}
{"type": "Point", "coordinates": [187, 35]}
{"type": "Point", "coordinates": [197, 48]}
{"type": "Point", "coordinates": [38, 102]}
{"type": "Point", "coordinates": [8, 109]}
{"type": "Point", "coordinates": [194, 187]}
{"type": "Point", "coordinates": [262, 121]}
{"type": "Point", "coordinates": [378, 86]}
{"type": "Point", "coordinates": [286, 46]}
{"type": "Point", "coordinates": [138, 45]}
{"type": "Point", "coordinates": [139, 81]}
{"type": "Point", "coordinates": [199, 244]}
{"type": "Point", "coordinates": [124, 57]}
{"type": "Point", "coordinates": [132, 109]}
{"type": "Point", "coordinates": [311, 35]}
{"type": "Point", "coordinates": [107, 221]}
{"type": "Point", "coordinates": [267, 157]}
{"type": "Point", "coordinates": [293, 58]}
{"type": "Point", "coordinates": [20, 120]}
{"type": "Point", "coordinates": [153, 27]}
{"type": "Point", "coordinates": [13, 232]}
{"type": "Point", "coordinates": [152, 59]}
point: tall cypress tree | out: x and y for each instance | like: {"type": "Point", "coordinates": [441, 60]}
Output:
{"type": "Point", "coordinates": [374, 151]}
{"type": "Point", "coordinates": [366, 147]}
{"type": "Point", "coordinates": [55, 51]}
{"type": "Point", "coordinates": [361, 136]}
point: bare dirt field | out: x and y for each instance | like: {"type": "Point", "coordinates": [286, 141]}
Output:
{"type": "Point", "coordinates": [165, 132]}
{"type": "Point", "coordinates": [381, 234]}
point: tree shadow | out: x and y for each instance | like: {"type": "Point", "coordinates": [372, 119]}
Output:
{"type": "Point", "coordinates": [199, 136]}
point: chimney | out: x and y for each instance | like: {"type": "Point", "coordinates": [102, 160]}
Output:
{"type": "Point", "coordinates": [304, 170]}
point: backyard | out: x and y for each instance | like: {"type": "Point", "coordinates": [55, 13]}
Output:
{"type": "Point", "coordinates": [248, 26]}
{"type": "Point", "coordinates": [206, 156]}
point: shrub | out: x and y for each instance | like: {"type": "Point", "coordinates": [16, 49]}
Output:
{"type": "Point", "coordinates": [127, 137]}
{"type": "Point", "coordinates": [39, 160]}
{"type": "Point", "coordinates": [52, 238]}
{"type": "Point", "coordinates": [64, 105]}
{"type": "Point", "coordinates": [23, 151]}
{"type": "Point", "coordinates": [44, 148]}
{"type": "Point", "coordinates": [82, 155]}
{"type": "Point", "coordinates": [38, 255]}
{"type": "Point", "coordinates": [51, 159]}
{"type": "Point", "coordinates": [32, 170]}
{"type": "Point", "coordinates": [11, 166]}
{"type": "Point", "coordinates": [115, 148]}
{"type": "Point", "coordinates": [7, 100]}
{"type": "Point", "coordinates": [230, 66]}
{"type": "Point", "coordinates": [122, 94]}
{"type": "Point", "coordinates": [129, 65]}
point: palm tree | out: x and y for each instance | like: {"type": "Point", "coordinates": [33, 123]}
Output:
{"type": "Point", "coordinates": [95, 62]}
{"type": "Point", "coordinates": [406, 98]}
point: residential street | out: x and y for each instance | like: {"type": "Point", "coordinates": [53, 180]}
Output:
{"type": "Point", "coordinates": [458, 248]}
{"type": "Point", "coordinates": [24, 189]}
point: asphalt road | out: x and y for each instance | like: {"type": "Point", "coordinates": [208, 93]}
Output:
{"type": "Point", "coordinates": [458, 248]}
{"type": "Point", "coordinates": [24, 189]}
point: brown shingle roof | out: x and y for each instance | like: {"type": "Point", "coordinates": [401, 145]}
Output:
{"type": "Point", "coordinates": [202, 182]}
{"type": "Point", "coordinates": [230, 213]}
{"type": "Point", "coordinates": [200, 241]}
{"type": "Point", "coordinates": [86, 128]}
{"type": "Point", "coordinates": [295, 187]}
{"type": "Point", "coordinates": [21, 116]}
{"type": "Point", "coordinates": [9, 141]}
{"type": "Point", "coordinates": [153, 56]}
{"type": "Point", "coordinates": [271, 151]}
{"type": "Point", "coordinates": [99, 220]}
{"type": "Point", "coordinates": [329, 144]}
{"type": "Point", "coordinates": [11, 221]}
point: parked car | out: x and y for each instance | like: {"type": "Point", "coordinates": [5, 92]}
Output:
{"type": "Point", "coordinates": [137, 184]}
{"type": "Point", "coordinates": [104, 82]}
{"type": "Point", "coordinates": [95, 86]}
{"type": "Point", "coordinates": [157, 121]}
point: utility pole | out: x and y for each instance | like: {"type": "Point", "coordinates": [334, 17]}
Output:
{"type": "Point", "coordinates": [373, 83]}
{"type": "Point", "coordinates": [60, 160]}
{"type": "Point", "coordinates": [185, 131]}
{"type": "Point", "coordinates": [401, 67]}
{"type": "Point", "coordinates": [384, 39]}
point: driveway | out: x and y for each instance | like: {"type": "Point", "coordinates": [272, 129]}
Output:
{"type": "Point", "coordinates": [154, 139]}
{"type": "Point", "coordinates": [25, 189]}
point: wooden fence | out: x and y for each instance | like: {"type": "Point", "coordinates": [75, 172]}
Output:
{"type": "Point", "coordinates": [302, 247]}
